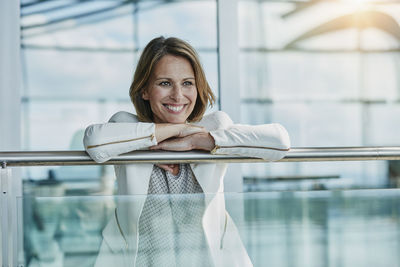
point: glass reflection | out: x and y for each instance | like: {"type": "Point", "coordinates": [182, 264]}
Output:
{"type": "Point", "coordinates": [319, 228]}
{"type": "Point", "coordinates": [327, 70]}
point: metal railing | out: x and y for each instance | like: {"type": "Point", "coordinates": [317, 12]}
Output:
{"type": "Point", "coordinates": [9, 227]}
{"type": "Point", "coordinates": [51, 158]}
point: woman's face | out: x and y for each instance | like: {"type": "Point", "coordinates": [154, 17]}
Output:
{"type": "Point", "coordinates": [172, 90]}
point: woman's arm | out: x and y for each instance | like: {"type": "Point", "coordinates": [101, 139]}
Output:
{"type": "Point", "coordinates": [200, 141]}
{"type": "Point", "coordinates": [267, 141]}
{"type": "Point", "coordinates": [165, 131]}
{"type": "Point", "coordinates": [123, 133]}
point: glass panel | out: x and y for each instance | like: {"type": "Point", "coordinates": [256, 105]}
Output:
{"type": "Point", "coordinates": [342, 228]}
{"type": "Point", "coordinates": [98, 43]}
{"type": "Point", "coordinates": [316, 26]}
{"type": "Point", "coordinates": [311, 124]}
{"type": "Point", "coordinates": [297, 76]}
{"type": "Point", "coordinates": [71, 24]}
{"type": "Point", "coordinates": [80, 76]}
{"type": "Point", "coordinates": [62, 181]}
{"type": "Point", "coordinates": [259, 177]}
{"type": "Point", "coordinates": [194, 21]}
{"type": "Point", "coordinates": [383, 117]}
{"type": "Point", "coordinates": [327, 71]}
{"type": "Point", "coordinates": [59, 125]}
{"type": "Point", "coordinates": [79, 58]}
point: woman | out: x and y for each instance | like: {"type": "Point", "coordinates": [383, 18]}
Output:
{"type": "Point", "coordinates": [170, 94]}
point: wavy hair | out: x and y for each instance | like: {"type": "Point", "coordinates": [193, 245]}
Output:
{"type": "Point", "coordinates": [151, 55]}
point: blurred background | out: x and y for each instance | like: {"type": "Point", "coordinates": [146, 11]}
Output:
{"type": "Point", "coordinates": [326, 70]}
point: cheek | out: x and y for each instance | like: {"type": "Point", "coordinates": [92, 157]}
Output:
{"type": "Point", "coordinates": [156, 96]}
{"type": "Point", "coordinates": [194, 95]}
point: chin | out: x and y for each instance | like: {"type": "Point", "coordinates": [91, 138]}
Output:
{"type": "Point", "coordinates": [176, 120]}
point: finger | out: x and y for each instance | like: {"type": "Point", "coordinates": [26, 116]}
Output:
{"type": "Point", "coordinates": [192, 129]}
{"type": "Point", "coordinates": [177, 144]}
{"type": "Point", "coordinates": [159, 146]}
{"type": "Point", "coordinates": [165, 167]}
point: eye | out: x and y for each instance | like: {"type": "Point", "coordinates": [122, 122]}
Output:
{"type": "Point", "coordinates": [165, 83]}
{"type": "Point", "coordinates": [187, 83]}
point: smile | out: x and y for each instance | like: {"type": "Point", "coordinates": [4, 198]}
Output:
{"type": "Point", "coordinates": [174, 108]}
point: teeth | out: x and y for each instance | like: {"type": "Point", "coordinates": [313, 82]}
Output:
{"type": "Point", "coordinates": [174, 108]}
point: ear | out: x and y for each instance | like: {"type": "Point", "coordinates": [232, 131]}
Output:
{"type": "Point", "coordinates": [145, 95]}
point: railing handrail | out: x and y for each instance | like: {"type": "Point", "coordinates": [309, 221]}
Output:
{"type": "Point", "coordinates": [51, 158]}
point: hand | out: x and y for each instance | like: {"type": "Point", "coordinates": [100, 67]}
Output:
{"type": "Point", "coordinates": [165, 131]}
{"type": "Point", "coordinates": [172, 168]}
{"type": "Point", "coordinates": [176, 144]}
{"type": "Point", "coordinates": [202, 141]}
{"type": "Point", "coordinates": [189, 129]}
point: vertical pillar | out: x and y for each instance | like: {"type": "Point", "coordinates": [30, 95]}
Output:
{"type": "Point", "coordinates": [229, 94]}
{"type": "Point", "coordinates": [10, 244]}
{"type": "Point", "coordinates": [10, 106]}
{"type": "Point", "coordinates": [10, 78]}
{"type": "Point", "coordinates": [5, 189]}
{"type": "Point", "coordinates": [229, 86]}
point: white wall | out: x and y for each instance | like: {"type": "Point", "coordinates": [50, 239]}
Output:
{"type": "Point", "coordinates": [10, 82]}
{"type": "Point", "coordinates": [10, 99]}
{"type": "Point", "coordinates": [229, 78]}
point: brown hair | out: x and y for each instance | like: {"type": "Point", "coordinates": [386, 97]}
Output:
{"type": "Point", "coordinates": [152, 53]}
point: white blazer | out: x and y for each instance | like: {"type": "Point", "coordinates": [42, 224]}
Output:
{"type": "Point", "coordinates": [124, 133]}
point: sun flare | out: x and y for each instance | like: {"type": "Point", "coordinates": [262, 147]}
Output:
{"type": "Point", "coordinates": [357, 2]}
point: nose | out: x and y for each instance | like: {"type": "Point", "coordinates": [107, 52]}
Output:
{"type": "Point", "coordinates": [176, 93]}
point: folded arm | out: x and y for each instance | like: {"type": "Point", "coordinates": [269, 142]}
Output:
{"type": "Point", "coordinates": [215, 133]}
{"type": "Point", "coordinates": [123, 133]}
{"type": "Point", "coordinates": [267, 141]}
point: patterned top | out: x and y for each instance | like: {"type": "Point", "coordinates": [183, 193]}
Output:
{"type": "Point", "coordinates": [170, 226]}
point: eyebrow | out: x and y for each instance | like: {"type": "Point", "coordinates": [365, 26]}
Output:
{"type": "Point", "coordinates": [165, 78]}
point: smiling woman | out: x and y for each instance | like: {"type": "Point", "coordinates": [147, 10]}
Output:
{"type": "Point", "coordinates": [170, 93]}
{"type": "Point", "coordinates": [168, 61]}
{"type": "Point", "coordinates": [172, 90]}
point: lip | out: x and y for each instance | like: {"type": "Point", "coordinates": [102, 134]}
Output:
{"type": "Point", "coordinates": [174, 105]}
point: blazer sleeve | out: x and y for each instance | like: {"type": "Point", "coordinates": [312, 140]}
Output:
{"type": "Point", "coordinates": [267, 141]}
{"type": "Point", "coordinates": [123, 133]}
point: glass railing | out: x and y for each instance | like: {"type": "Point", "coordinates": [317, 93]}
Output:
{"type": "Point", "coordinates": [44, 227]}
{"type": "Point", "coordinates": [319, 228]}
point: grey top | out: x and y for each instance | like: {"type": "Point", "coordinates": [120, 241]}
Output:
{"type": "Point", "coordinates": [170, 226]}
{"type": "Point", "coordinates": [164, 182]}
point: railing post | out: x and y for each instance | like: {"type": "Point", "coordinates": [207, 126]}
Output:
{"type": "Point", "coordinates": [5, 186]}
{"type": "Point", "coordinates": [228, 58]}
{"type": "Point", "coordinates": [9, 227]}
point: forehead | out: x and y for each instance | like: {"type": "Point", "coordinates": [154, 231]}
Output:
{"type": "Point", "coordinates": [174, 66]}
